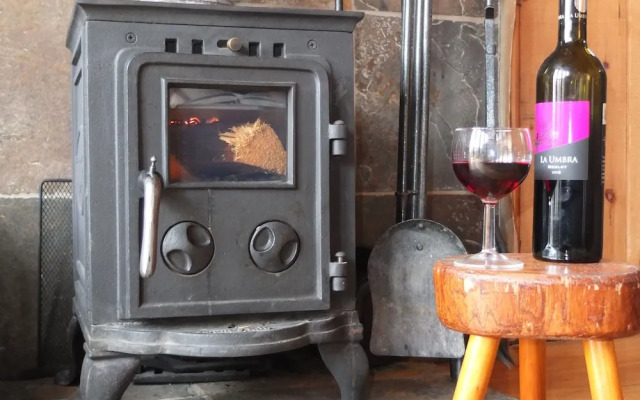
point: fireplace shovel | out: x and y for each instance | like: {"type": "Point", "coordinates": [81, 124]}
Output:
{"type": "Point", "coordinates": [405, 321]}
{"type": "Point", "coordinates": [400, 268]}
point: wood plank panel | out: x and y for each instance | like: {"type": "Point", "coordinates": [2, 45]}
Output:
{"type": "Point", "coordinates": [633, 124]}
{"type": "Point", "coordinates": [607, 36]}
{"type": "Point", "coordinates": [514, 116]}
{"type": "Point", "coordinates": [538, 35]}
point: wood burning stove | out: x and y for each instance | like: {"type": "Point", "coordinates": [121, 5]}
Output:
{"type": "Point", "coordinates": [213, 172]}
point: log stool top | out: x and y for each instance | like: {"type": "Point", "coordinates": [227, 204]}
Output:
{"type": "Point", "coordinates": [543, 300]}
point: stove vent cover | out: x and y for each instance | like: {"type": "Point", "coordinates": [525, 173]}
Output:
{"type": "Point", "coordinates": [56, 275]}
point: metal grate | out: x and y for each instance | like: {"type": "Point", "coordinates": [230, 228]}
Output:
{"type": "Point", "coordinates": [56, 275]}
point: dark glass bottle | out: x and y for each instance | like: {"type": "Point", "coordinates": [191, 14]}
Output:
{"type": "Point", "coordinates": [570, 145]}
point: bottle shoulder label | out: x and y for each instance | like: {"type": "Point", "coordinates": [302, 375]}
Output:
{"type": "Point", "coordinates": [575, 15]}
{"type": "Point", "coordinates": [562, 140]}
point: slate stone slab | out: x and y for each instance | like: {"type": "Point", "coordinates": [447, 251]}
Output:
{"type": "Point", "coordinates": [460, 212]}
{"type": "Point", "coordinates": [377, 66]}
{"type": "Point", "coordinates": [457, 95]}
{"type": "Point", "coordinates": [375, 213]}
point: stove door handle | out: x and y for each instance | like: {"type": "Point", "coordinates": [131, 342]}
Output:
{"type": "Point", "coordinates": [152, 189]}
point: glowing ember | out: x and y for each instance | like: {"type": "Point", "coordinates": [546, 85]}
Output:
{"type": "Point", "coordinates": [192, 121]}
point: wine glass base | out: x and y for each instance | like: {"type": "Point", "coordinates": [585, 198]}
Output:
{"type": "Point", "coordinates": [489, 260]}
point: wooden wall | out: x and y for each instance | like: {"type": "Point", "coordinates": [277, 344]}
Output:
{"type": "Point", "coordinates": [616, 41]}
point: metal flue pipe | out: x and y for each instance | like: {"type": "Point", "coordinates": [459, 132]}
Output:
{"type": "Point", "coordinates": [490, 63]}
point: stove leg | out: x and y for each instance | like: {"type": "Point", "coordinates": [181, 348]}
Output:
{"type": "Point", "coordinates": [107, 377]}
{"type": "Point", "coordinates": [348, 364]}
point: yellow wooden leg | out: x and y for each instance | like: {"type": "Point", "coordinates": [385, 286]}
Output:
{"type": "Point", "coordinates": [532, 369]}
{"type": "Point", "coordinates": [602, 368]}
{"type": "Point", "coordinates": [476, 368]}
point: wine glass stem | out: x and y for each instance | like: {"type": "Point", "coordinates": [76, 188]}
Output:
{"type": "Point", "coordinates": [489, 229]}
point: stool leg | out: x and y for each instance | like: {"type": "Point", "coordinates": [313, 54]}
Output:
{"type": "Point", "coordinates": [602, 368]}
{"type": "Point", "coordinates": [532, 369]}
{"type": "Point", "coordinates": [476, 368]}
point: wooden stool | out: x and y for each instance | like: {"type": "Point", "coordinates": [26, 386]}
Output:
{"type": "Point", "coordinates": [593, 302]}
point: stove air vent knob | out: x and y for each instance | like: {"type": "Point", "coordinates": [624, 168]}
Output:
{"type": "Point", "coordinates": [274, 246]}
{"type": "Point", "coordinates": [187, 248]}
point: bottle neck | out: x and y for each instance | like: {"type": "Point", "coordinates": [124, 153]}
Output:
{"type": "Point", "coordinates": [572, 22]}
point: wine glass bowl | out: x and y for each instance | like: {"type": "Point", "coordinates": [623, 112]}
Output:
{"type": "Point", "coordinates": [491, 163]}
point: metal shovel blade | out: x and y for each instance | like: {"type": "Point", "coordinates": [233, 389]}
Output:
{"type": "Point", "coordinates": [405, 321]}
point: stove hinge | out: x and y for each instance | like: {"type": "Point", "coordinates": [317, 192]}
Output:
{"type": "Point", "coordinates": [338, 138]}
{"type": "Point", "coordinates": [338, 273]}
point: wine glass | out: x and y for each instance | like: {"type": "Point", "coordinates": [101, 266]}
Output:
{"type": "Point", "coordinates": [490, 162]}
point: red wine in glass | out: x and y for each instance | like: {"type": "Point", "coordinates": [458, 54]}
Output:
{"type": "Point", "coordinates": [490, 163]}
{"type": "Point", "coordinates": [491, 181]}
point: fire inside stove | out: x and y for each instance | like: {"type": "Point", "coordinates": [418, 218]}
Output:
{"type": "Point", "coordinates": [218, 134]}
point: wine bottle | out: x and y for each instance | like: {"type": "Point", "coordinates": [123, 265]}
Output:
{"type": "Point", "coordinates": [570, 145]}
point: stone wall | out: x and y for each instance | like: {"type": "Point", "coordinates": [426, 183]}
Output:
{"type": "Point", "coordinates": [457, 99]}
{"type": "Point", "coordinates": [35, 140]}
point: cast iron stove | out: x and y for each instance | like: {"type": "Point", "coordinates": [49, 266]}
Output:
{"type": "Point", "coordinates": [213, 172]}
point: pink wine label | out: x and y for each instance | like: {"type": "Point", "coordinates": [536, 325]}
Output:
{"type": "Point", "coordinates": [562, 140]}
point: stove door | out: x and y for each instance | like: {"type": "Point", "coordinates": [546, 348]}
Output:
{"type": "Point", "coordinates": [242, 153]}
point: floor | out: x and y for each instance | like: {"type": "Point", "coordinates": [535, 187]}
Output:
{"type": "Point", "coordinates": [567, 373]}
{"type": "Point", "coordinates": [304, 377]}
{"type": "Point", "coordinates": [290, 378]}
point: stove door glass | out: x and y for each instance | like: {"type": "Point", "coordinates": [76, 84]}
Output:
{"type": "Point", "coordinates": [227, 134]}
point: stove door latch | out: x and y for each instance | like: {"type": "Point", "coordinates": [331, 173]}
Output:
{"type": "Point", "coordinates": [338, 273]}
{"type": "Point", "coordinates": [152, 189]}
{"type": "Point", "coordinates": [338, 138]}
